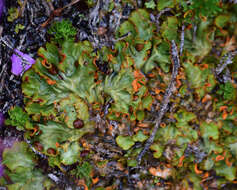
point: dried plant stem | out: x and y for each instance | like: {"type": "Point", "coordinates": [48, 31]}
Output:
{"type": "Point", "coordinates": [169, 91]}
{"type": "Point", "coordinates": [227, 59]}
{"type": "Point", "coordinates": [21, 12]}
{"type": "Point", "coordinates": [182, 41]}
{"type": "Point", "coordinates": [158, 17]}
{"type": "Point", "coordinates": [58, 12]}
{"type": "Point", "coordinates": [24, 61]}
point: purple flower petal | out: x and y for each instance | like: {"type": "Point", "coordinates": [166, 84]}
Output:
{"type": "Point", "coordinates": [1, 119]}
{"type": "Point", "coordinates": [17, 65]}
{"type": "Point", "coordinates": [1, 7]}
{"type": "Point", "coordinates": [1, 167]}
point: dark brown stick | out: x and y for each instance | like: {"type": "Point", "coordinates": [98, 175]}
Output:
{"type": "Point", "coordinates": [169, 91]}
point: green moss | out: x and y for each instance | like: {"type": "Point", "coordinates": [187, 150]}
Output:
{"type": "Point", "coordinates": [62, 30]}
{"type": "Point", "coordinates": [19, 118]}
{"type": "Point", "coordinates": [227, 91]}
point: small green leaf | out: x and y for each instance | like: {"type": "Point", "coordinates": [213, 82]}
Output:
{"type": "Point", "coordinates": [208, 164]}
{"type": "Point", "coordinates": [195, 75]}
{"type": "Point", "coordinates": [211, 146]}
{"type": "Point", "coordinates": [51, 53]}
{"type": "Point", "coordinates": [144, 28]}
{"type": "Point", "coordinates": [209, 130]}
{"type": "Point", "coordinates": [228, 172]}
{"type": "Point", "coordinates": [202, 44]}
{"type": "Point", "coordinates": [70, 153]}
{"type": "Point", "coordinates": [125, 142]}
{"type": "Point", "coordinates": [158, 150]}
{"type": "Point", "coordinates": [161, 55]}
{"type": "Point", "coordinates": [139, 137]}
{"type": "Point", "coordinates": [233, 148]}
{"type": "Point", "coordinates": [19, 27]}
{"type": "Point", "coordinates": [53, 132]}
{"type": "Point", "coordinates": [20, 169]}
{"type": "Point", "coordinates": [132, 163]}
{"type": "Point", "coordinates": [170, 132]}
{"type": "Point", "coordinates": [222, 20]}
{"type": "Point", "coordinates": [183, 117]}
{"type": "Point", "coordinates": [150, 5]}
{"type": "Point", "coordinates": [165, 3]}
{"type": "Point", "coordinates": [141, 56]}
{"type": "Point", "coordinates": [140, 115]}
{"type": "Point", "coordinates": [118, 87]}
{"type": "Point", "coordinates": [18, 156]}
{"type": "Point", "coordinates": [169, 28]}
{"type": "Point", "coordinates": [13, 14]}
{"type": "Point", "coordinates": [146, 102]}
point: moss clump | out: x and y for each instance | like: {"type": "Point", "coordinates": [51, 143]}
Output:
{"type": "Point", "coordinates": [62, 30]}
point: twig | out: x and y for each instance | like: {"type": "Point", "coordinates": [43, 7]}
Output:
{"type": "Point", "coordinates": [57, 12]}
{"type": "Point", "coordinates": [48, 7]}
{"type": "Point", "coordinates": [225, 60]}
{"type": "Point", "coordinates": [93, 16]}
{"type": "Point", "coordinates": [182, 41]}
{"type": "Point", "coordinates": [22, 9]}
{"type": "Point", "coordinates": [158, 17]}
{"type": "Point", "coordinates": [169, 91]}
{"type": "Point", "coordinates": [24, 61]}
{"type": "Point", "coordinates": [3, 75]}
{"type": "Point", "coordinates": [42, 156]}
{"type": "Point", "coordinates": [122, 37]}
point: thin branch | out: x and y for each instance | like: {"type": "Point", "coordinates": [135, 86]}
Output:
{"type": "Point", "coordinates": [122, 37]}
{"type": "Point", "coordinates": [22, 9]}
{"type": "Point", "coordinates": [158, 17]}
{"type": "Point", "coordinates": [169, 91]}
{"type": "Point", "coordinates": [182, 41]}
{"type": "Point", "coordinates": [227, 59]}
{"type": "Point", "coordinates": [24, 60]}
{"type": "Point", "coordinates": [58, 12]}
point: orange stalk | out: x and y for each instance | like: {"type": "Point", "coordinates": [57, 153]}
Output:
{"type": "Point", "coordinates": [144, 125]}
{"type": "Point", "coordinates": [135, 85]}
{"type": "Point", "coordinates": [228, 162]}
{"type": "Point", "coordinates": [63, 57]}
{"type": "Point", "coordinates": [219, 158]}
{"type": "Point", "coordinates": [95, 180]}
{"type": "Point", "coordinates": [181, 161]}
{"type": "Point", "coordinates": [222, 108]}
{"type": "Point", "coordinates": [206, 98]}
{"type": "Point", "coordinates": [35, 130]}
{"type": "Point", "coordinates": [197, 171]}
{"type": "Point", "coordinates": [178, 83]}
{"type": "Point", "coordinates": [206, 175]}
{"type": "Point", "coordinates": [51, 82]}
{"type": "Point", "coordinates": [57, 144]}
{"type": "Point", "coordinates": [224, 115]}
